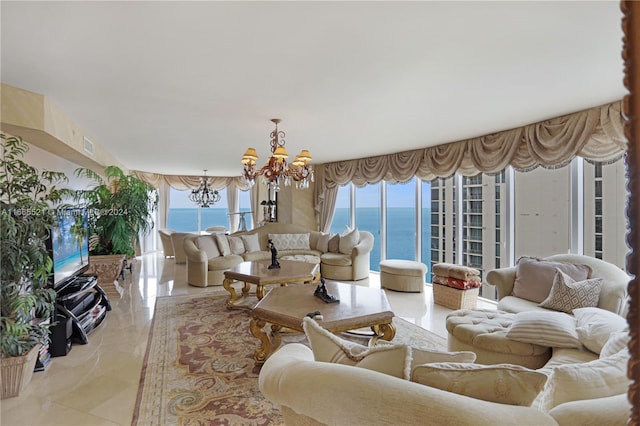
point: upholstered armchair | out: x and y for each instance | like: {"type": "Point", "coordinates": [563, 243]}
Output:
{"type": "Point", "coordinates": [165, 240]}
{"type": "Point", "coordinates": [349, 267]}
{"type": "Point", "coordinates": [177, 239]}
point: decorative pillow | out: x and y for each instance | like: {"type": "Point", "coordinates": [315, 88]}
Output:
{"type": "Point", "coordinates": [323, 243]}
{"type": "Point", "coordinates": [595, 326]}
{"type": "Point", "coordinates": [290, 241]}
{"type": "Point", "coordinates": [334, 243]}
{"type": "Point", "coordinates": [223, 244]}
{"type": "Point", "coordinates": [251, 242]}
{"type": "Point", "coordinates": [567, 294]}
{"type": "Point", "coordinates": [589, 380]}
{"type": "Point", "coordinates": [553, 329]}
{"type": "Point", "coordinates": [534, 277]}
{"type": "Point", "coordinates": [236, 245]}
{"type": "Point", "coordinates": [395, 360]}
{"type": "Point", "coordinates": [501, 383]}
{"type": "Point", "coordinates": [208, 245]}
{"type": "Point", "coordinates": [348, 241]}
{"type": "Point", "coordinates": [617, 342]}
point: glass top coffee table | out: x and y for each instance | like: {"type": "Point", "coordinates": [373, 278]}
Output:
{"type": "Point", "coordinates": [286, 307]}
{"type": "Point", "coordinates": [258, 273]}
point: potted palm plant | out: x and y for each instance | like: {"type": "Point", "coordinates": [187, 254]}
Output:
{"type": "Point", "coordinates": [27, 304]}
{"type": "Point", "coordinates": [120, 208]}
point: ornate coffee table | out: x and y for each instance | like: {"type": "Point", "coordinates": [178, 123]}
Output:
{"type": "Point", "coordinates": [285, 307]}
{"type": "Point", "coordinates": [258, 273]}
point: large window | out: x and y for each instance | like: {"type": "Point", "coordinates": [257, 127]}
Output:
{"type": "Point", "coordinates": [185, 216]}
{"type": "Point", "coordinates": [401, 220]}
{"type": "Point", "coordinates": [539, 202]}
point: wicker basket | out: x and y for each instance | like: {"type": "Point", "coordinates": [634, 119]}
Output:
{"type": "Point", "coordinates": [454, 298]}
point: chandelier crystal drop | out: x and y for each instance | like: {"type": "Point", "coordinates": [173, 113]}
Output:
{"type": "Point", "coordinates": [277, 171]}
{"type": "Point", "coordinates": [204, 195]}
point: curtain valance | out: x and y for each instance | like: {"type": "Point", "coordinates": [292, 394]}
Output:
{"type": "Point", "coordinates": [191, 182]}
{"type": "Point", "coordinates": [595, 134]}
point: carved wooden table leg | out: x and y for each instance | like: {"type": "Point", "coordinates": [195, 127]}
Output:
{"type": "Point", "coordinates": [235, 300]}
{"type": "Point", "coordinates": [382, 331]}
{"type": "Point", "coordinates": [268, 342]}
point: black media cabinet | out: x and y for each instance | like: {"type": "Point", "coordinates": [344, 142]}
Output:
{"type": "Point", "coordinates": [83, 301]}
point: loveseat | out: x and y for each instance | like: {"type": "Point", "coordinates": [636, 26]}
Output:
{"type": "Point", "coordinates": [312, 392]}
{"type": "Point", "coordinates": [613, 292]}
{"type": "Point", "coordinates": [209, 256]}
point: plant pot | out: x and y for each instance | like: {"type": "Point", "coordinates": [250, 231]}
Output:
{"type": "Point", "coordinates": [16, 372]}
{"type": "Point", "coordinates": [106, 267]}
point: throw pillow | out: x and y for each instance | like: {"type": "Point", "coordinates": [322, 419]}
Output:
{"type": "Point", "coordinates": [395, 360]}
{"type": "Point", "coordinates": [589, 380]}
{"type": "Point", "coordinates": [595, 326]}
{"type": "Point", "coordinates": [290, 241]}
{"type": "Point", "coordinates": [534, 277]}
{"type": "Point", "coordinates": [322, 244]}
{"type": "Point", "coordinates": [567, 294]}
{"type": "Point", "coordinates": [334, 243]}
{"type": "Point", "coordinates": [348, 241]}
{"type": "Point", "coordinates": [501, 383]}
{"type": "Point", "coordinates": [251, 242]}
{"type": "Point", "coordinates": [223, 244]}
{"type": "Point", "coordinates": [553, 329]}
{"type": "Point", "coordinates": [208, 245]}
{"type": "Point", "coordinates": [617, 342]}
{"type": "Point", "coordinates": [236, 245]}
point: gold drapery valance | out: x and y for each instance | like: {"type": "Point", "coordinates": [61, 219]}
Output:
{"type": "Point", "coordinates": [595, 134]}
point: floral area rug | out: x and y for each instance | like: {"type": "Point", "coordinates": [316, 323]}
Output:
{"type": "Point", "coordinates": [199, 367]}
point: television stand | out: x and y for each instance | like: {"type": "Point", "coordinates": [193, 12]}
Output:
{"type": "Point", "coordinates": [85, 303]}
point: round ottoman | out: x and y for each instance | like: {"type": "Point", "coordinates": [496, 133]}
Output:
{"type": "Point", "coordinates": [402, 275]}
{"type": "Point", "coordinates": [483, 331]}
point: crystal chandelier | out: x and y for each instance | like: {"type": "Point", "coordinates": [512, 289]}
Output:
{"type": "Point", "coordinates": [277, 171]}
{"type": "Point", "coordinates": [204, 195]}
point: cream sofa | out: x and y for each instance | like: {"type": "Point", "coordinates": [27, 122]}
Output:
{"type": "Point", "coordinates": [322, 393]}
{"type": "Point", "coordinates": [613, 294]}
{"type": "Point", "coordinates": [206, 262]}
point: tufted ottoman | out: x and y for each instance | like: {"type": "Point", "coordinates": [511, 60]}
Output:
{"type": "Point", "coordinates": [402, 275]}
{"type": "Point", "coordinates": [483, 332]}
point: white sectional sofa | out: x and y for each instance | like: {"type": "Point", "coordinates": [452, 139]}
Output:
{"type": "Point", "coordinates": [208, 256]}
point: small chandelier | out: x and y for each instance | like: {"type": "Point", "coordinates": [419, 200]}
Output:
{"type": "Point", "coordinates": [204, 195]}
{"type": "Point", "coordinates": [277, 171]}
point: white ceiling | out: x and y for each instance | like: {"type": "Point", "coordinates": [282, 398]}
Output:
{"type": "Point", "coordinates": [178, 87]}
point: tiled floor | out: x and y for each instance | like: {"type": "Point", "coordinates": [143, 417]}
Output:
{"type": "Point", "coordinates": [97, 383]}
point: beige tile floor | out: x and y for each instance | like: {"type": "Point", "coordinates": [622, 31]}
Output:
{"type": "Point", "coordinates": [96, 384]}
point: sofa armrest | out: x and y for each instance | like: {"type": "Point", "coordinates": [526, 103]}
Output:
{"type": "Point", "coordinates": [193, 253]}
{"type": "Point", "coordinates": [329, 393]}
{"type": "Point", "coordinates": [364, 246]}
{"type": "Point", "coordinates": [611, 410]}
{"type": "Point", "coordinates": [503, 279]}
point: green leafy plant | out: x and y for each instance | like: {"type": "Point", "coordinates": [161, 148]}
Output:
{"type": "Point", "coordinates": [27, 198]}
{"type": "Point", "coordinates": [119, 209]}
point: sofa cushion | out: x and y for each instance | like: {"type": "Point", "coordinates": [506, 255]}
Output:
{"type": "Point", "coordinates": [501, 383]}
{"type": "Point", "coordinates": [595, 379]}
{"type": "Point", "coordinates": [617, 342]}
{"type": "Point", "coordinates": [334, 243]}
{"type": "Point", "coordinates": [290, 241]}
{"type": "Point", "coordinates": [236, 245]}
{"type": "Point", "coordinates": [336, 259]}
{"type": "Point", "coordinates": [554, 329]}
{"type": "Point", "coordinates": [568, 294]}
{"type": "Point", "coordinates": [323, 242]}
{"type": "Point", "coordinates": [348, 240]}
{"type": "Point", "coordinates": [223, 262]}
{"type": "Point", "coordinates": [208, 245]}
{"type": "Point", "coordinates": [534, 277]}
{"type": "Point", "coordinates": [251, 243]}
{"type": "Point", "coordinates": [595, 326]}
{"type": "Point", "coordinates": [223, 244]}
{"type": "Point", "coordinates": [393, 360]}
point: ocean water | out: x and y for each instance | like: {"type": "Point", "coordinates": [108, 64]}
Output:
{"type": "Point", "coordinates": [401, 232]}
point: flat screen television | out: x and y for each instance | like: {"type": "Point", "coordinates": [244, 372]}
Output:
{"type": "Point", "coordinates": [69, 245]}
